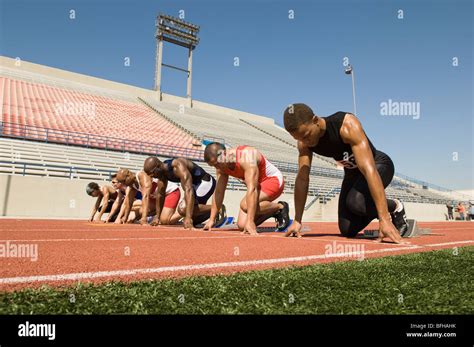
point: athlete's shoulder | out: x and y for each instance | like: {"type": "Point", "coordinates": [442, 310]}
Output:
{"type": "Point", "coordinates": [351, 127]}
{"type": "Point", "coordinates": [350, 121]}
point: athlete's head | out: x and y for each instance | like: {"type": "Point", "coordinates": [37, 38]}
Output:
{"type": "Point", "coordinates": [125, 176]}
{"type": "Point", "coordinates": [213, 152]}
{"type": "Point", "coordinates": [301, 122]}
{"type": "Point", "coordinates": [154, 167]}
{"type": "Point", "coordinates": [116, 184]}
{"type": "Point", "coordinates": [93, 189]}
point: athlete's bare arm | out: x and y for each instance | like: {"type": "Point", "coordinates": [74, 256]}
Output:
{"type": "Point", "coordinates": [95, 207]}
{"type": "Point", "coordinates": [116, 206]}
{"type": "Point", "coordinates": [248, 161]}
{"type": "Point", "coordinates": [146, 182]}
{"type": "Point", "coordinates": [160, 199]}
{"type": "Point", "coordinates": [128, 202]}
{"type": "Point", "coordinates": [305, 157]}
{"type": "Point", "coordinates": [217, 197]}
{"type": "Point", "coordinates": [105, 202]}
{"type": "Point", "coordinates": [181, 171]}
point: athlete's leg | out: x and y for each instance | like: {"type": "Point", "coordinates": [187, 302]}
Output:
{"type": "Point", "coordinates": [359, 199]}
{"type": "Point", "coordinates": [266, 208]}
{"type": "Point", "coordinates": [356, 208]}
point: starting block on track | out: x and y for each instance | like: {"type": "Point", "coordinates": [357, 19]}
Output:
{"type": "Point", "coordinates": [230, 224]}
{"type": "Point", "coordinates": [413, 231]}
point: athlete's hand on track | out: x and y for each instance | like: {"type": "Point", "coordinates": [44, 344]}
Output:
{"type": "Point", "coordinates": [387, 229]}
{"type": "Point", "coordinates": [155, 221]}
{"type": "Point", "coordinates": [208, 225]}
{"type": "Point", "coordinates": [250, 228]}
{"type": "Point", "coordinates": [143, 222]}
{"type": "Point", "coordinates": [294, 229]}
{"type": "Point", "coordinates": [188, 223]}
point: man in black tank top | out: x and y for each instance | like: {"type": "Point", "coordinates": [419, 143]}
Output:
{"type": "Point", "coordinates": [197, 184]}
{"type": "Point", "coordinates": [367, 172]}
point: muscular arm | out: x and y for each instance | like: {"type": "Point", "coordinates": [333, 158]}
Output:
{"type": "Point", "coordinates": [115, 206]}
{"type": "Point", "coordinates": [145, 182]}
{"type": "Point", "coordinates": [95, 208]}
{"type": "Point", "coordinates": [353, 134]}
{"type": "Point", "coordinates": [160, 197]}
{"type": "Point", "coordinates": [105, 202]}
{"type": "Point", "coordinates": [181, 171]}
{"type": "Point", "coordinates": [218, 197]}
{"type": "Point", "coordinates": [250, 168]}
{"type": "Point", "coordinates": [128, 202]}
{"type": "Point", "coordinates": [122, 209]}
{"type": "Point", "coordinates": [305, 157]}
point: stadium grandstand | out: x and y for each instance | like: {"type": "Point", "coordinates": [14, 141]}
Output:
{"type": "Point", "coordinates": [63, 125]}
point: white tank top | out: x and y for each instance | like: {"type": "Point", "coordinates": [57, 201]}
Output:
{"type": "Point", "coordinates": [170, 188]}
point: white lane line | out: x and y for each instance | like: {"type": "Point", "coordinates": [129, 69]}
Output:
{"type": "Point", "coordinates": [355, 241]}
{"type": "Point", "coordinates": [449, 243]}
{"type": "Point", "coordinates": [129, 239]}
{"type": "Point", "coordinates": [122, 273]}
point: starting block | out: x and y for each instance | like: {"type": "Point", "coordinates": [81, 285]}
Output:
{"type": "Point", "coordinates": [230, 224]}
{"type": "Point", "coordinates": [413, 231]}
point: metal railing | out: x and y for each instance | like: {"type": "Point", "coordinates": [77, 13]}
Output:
{"type": "Point", "coordinates": [70, 172]}
{"type": "Point", "coordinates": [71, 138]}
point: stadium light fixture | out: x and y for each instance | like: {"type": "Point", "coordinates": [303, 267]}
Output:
{"type": "Point", "coordinates": [178, 32]}
{"type": "Point", "coordinates": [349, 70]}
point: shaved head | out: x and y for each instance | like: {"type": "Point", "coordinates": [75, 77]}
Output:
{"type": "Point", "coordinates": [150, 164]}
{"type": "Point", "coordinates": [296, 115]}
{"type": "Point", "coordinates": [212, 151]}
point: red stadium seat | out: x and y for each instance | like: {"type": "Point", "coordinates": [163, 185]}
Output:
{"type": "Point", "coordinates": [34, 104]}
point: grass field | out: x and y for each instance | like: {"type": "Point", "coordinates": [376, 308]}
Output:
{"type": "Point", "coordinates": [422, 283]}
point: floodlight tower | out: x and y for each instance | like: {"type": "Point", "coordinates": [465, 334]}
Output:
{"type": "Point", "coordinates": [178, 32]}
{"type": "Point", "coordinates": [349, 70]}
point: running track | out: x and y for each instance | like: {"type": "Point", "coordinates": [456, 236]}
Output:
{"type": "Point", "coordinates": [73, 251]}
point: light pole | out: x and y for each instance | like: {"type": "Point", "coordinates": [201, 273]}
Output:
{"type": "Point", "coordinates": [181, 33]}
{"type": "Point", "coordinates": [350, 71]}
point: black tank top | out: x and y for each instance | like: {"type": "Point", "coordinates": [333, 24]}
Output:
{"type": "Point", "coordinates": [197, 173]}
{"type": "Point", "coordinates": [331, 144]}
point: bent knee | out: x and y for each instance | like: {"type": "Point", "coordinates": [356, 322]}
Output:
{"type": "Point", "coordinates": [347, 230]}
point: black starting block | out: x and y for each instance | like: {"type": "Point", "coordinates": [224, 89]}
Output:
{"type": "Point", "coordinates": [230, 224]}
{"type": "Point", "coordinates": [413, 231]}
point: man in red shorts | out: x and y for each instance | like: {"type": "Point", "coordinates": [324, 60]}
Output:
{"type": "Point", "coordinates": [264, 185]}
{"type": "Point", "coordinates": [165, 213]}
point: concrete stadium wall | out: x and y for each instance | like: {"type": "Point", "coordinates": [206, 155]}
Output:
{"type": "Point", "coordinates": [45, 197]}
{"type": "Point", "coordinates": [420, 212]}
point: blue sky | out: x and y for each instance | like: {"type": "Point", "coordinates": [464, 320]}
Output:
{"type": "Point", "coordinates": [283, 61]}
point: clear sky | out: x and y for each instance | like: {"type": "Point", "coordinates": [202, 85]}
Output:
{"type": "Point", "coordinates": [284, 60]}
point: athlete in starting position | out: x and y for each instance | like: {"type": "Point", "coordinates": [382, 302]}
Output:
{"type": "Point", "coordinates": [367, 172]}
{"type": "Point", "coordinates": [164, 211]}
{"type": "Point", "coordinates": [197, 184]}
{"type": "Point", "coordinates": [106, 197]}
{"type": "Point", "coordinates": [263, 180]}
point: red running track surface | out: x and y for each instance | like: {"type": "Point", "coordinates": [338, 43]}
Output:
{"type": "Point", "coordinates": [77, 251]}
